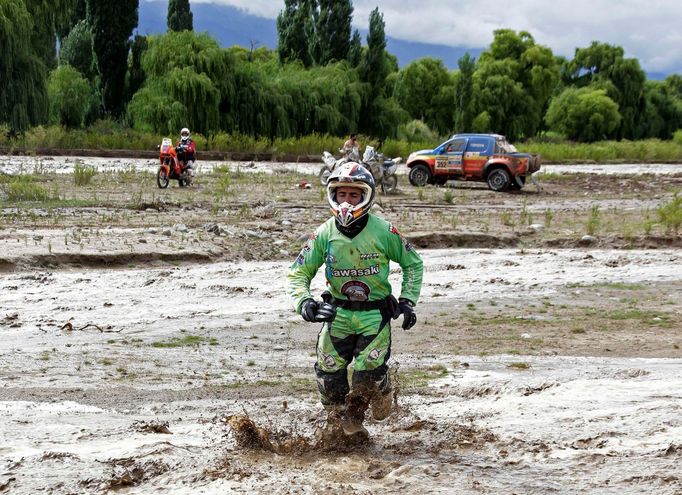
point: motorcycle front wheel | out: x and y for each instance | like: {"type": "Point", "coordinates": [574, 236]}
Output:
{"type": "Point", "coordinates": [162, 179]}
{"type": "Point", "coordinates": [390, 184]}
{"type": "Point", "coordinates": [324, 175]}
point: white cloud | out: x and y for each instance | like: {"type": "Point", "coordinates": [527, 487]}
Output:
{"type": "Point", "coordinates": [648, 30]}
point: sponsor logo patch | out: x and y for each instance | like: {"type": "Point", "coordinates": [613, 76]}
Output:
{"type": "Point", "coordinates": [356, 290]}
{"type": "Point", "coordinates": [369, 256]}
{"type": "Point", "coordinates": [355, 272]}
{"type": "Point", "coordinates": [375, 354]}
{"type": "Point", "coordinates": [328, 360]}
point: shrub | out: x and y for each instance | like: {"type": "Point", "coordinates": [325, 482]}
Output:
{"type": "Point", "coordinates": [24, 188]}
{"type": "Point", "coordinates": [82, 174]}
{"type": "Point", "coordinates": [670, 214]}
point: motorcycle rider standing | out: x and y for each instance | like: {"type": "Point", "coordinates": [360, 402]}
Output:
{"type": "Point", "coordinates": [356, 248]}
{"type": "Point", "coordinates": [350, 149]}
{"type": "Point", "coordinates": [188, 149]}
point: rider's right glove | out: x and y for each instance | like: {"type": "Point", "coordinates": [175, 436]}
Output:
{"type": "Point", "coordinates": [308, 310]}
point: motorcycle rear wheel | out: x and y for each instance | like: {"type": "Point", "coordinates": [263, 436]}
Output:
{"type": "Point", "coordinates": [162, 179]}
{"type": "Point", "coordinates": [389, 184]}
{"type": "Point", "coordinates": [324, 175]}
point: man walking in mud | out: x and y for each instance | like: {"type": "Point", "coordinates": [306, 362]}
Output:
{"type": "Point", "coordinates": [356, 248]}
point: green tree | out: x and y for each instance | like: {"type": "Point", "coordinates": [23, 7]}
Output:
{"type": "Point", "coordinates": [334, 30]}
{"type": "Point", "coordinates": [425, 90]}
{"type": "Point", "coordinates": [46, 14]}
{"type": "Point", "coordinates": [136, 74]}
{"type": "Point", "coordinates": [584, 114]}
{"type": "Point", "coordinates": [355, 49]}
{"type": "Point", "coordinates": [463, 106]}
{"type": "Point", "coordinates": [604, 65]}
{"type": "Point", "coordinates": [23, 75]}
{"type": "Point", "coordinates": [187, 76]}
{"type": "Point", "coordinates": [512, 84]}
{"type": "Point", "coordinates": [70, 96]}
{"type": "Point", "coordinates": [374, 69]}
{"type": "Point", "coordinates": [112, 24]}
{"type": "Point", "coordinates": [663, 108]}
{"type": "Point", "coordinates": [76, 50]}
{"type": "Point", "coordinates": [74, 12]}
{"type": "Point", "coordinates": [296, 31]}
{"type": "Point", "coordinates": [179, 15]}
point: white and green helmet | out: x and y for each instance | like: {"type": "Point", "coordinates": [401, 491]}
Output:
{"type": "Point", "coordinates": [351, 174]}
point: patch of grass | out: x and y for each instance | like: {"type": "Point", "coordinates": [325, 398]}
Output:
{"type": "Point", "coordinates": [82, 175]}
{"type": "Point", "coordinates": [670, 214]}
{"type": "Point", "coordinates": [646, 317]}
{"type": "Point", "coordinates": [619, 286]}
{"type": "Point", "coordinates": [448, 197]}
{"type": "Point", "coordinates": [23, 188]}
{"type": "Point", "coordinates": [186, 341]}
{"type": "Point", "coordinates": [421, 378]}
{"type": "Point", "coordinates": [519, 365]}
{"type": "Point", "coordinates": [593, 221]}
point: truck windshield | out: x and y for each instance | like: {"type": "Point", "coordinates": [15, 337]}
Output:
{"type": "Point", "coordinates": [504, 146]}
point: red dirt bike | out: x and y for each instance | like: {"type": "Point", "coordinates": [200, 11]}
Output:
{"type": "Point", "coordinates": [172, 167]}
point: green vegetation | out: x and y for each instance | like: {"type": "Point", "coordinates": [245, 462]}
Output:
{"type": "Point", "coordinates": [593, 221]}
{"type": "Point", "coordinates": [520, 365]}
{"type": "Point", "coordinates": [24, 188]}
{"type": "Point", "coordinates": [670, 214]}
{"type": "Point", "coordinates": [421, 377]}
{"type": "Point", "coordinates": [319, 79]}
{"type": "Point", "coordinates": [82, 174]}
{"type": "Point", "coordinates": [186, 341]}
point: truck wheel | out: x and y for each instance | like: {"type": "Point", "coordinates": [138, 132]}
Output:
{"type": "Point", "coordinates": [499, 180]}
{"type": "Point", "coordinates": [420, 175]}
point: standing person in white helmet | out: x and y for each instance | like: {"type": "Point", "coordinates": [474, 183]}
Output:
{"type": "Point", "coordinates": [187, 149]}
{"type": "Point", "coordinates": [356, 248]}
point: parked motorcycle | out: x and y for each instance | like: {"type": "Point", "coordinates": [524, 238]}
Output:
{"type": "Point", "coordinates": [331, 163]}
{"type": "Point", "coordinates": [383, 169]}
{"type": "Point", "coordinates": [172, 167]}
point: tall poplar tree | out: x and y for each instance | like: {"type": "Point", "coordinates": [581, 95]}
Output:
{"type": "Point", "coordinates": [180, 16]}
{"type": "Point", "coordinates": [334, 30]}
{"type": "Point", "coordinates": [112, 24]}
{"type": "Point", "coordinates": [296, 31]}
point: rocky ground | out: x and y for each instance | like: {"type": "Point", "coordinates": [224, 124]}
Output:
{"type": "Point", "coordinates": [144, 330]}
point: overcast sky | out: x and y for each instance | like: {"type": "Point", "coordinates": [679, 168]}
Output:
{"type": "Point", "coordinates": [650, 30]}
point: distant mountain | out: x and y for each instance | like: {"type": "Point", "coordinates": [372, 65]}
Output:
{"type": "Point", "coordinates": [231, 26]}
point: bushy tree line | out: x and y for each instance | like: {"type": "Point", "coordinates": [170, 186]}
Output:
{"type": "Point", "coordinates": [322, 78]}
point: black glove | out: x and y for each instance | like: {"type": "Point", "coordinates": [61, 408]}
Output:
{"type": "Point", "coordinates": [325, 312]}
{"type": "Point", "coordinates": [308, 310]}
{"type": "Point", "coordinates": [409, 317]}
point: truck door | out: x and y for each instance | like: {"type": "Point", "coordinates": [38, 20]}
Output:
{"type": "Point", "coordinates": [450, 161]}
{"type": "Point", "coordinates": [476, 155]}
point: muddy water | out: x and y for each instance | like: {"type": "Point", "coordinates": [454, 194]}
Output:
{"type": "Point", "coordinates": [22, 164]}
{"type": "Point", "coordinates": [95, 367]}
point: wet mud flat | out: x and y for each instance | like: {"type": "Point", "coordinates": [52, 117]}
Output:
{"type": "Point", "coordinates": [147, 345]}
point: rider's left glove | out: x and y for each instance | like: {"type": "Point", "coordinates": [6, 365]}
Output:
{"type": "Point", "coordinates": [409, 317]}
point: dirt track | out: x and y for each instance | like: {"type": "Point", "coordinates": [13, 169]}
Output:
{"type": "Point", "coordinates": [136, 321]}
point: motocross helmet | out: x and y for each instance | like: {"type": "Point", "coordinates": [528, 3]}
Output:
{"type": "Point", "coordinates": [184, 135]}
{"type": "Point", "coordinates": [351, 174]}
